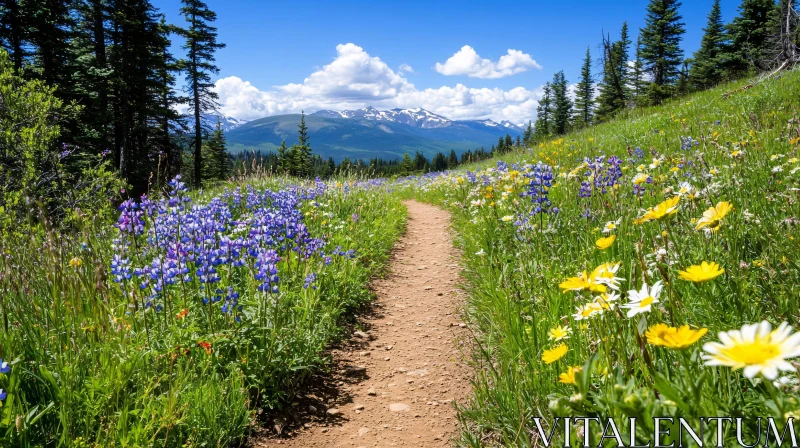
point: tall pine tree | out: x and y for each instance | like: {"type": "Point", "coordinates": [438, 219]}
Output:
{"type": "Point", "coordinates": [708, 66]}
{"type": "Point", "coordinates": [614, 89]}
{"type": "Point", "coordinates": [216, 161]}
{"type": "Point", "coordinates": [544, 115]}
{"type": "Point", "coordinates": [749, 38]}
{"type": "Point", "coordinates": [201, 44]}
{"type": "Point", "coordinates": [584, 96]}
{"type": "Point", "coordinates": [14, 31]}
{"type": "Point", "coordinates": [661, 50]}
{"type": "Point", "coordinates": [637, 83]}
{"type": "Point", "coordinates": [562, 104]}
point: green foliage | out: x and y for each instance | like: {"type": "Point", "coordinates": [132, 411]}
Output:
{"type": "Point", "coordinates": [584, 96]}
{"type": "Point", "coordinates": [708, 64]}
{"type": "Point", "coordinates": [37, 172]}
{"type": "Point", "coordinates": [92, 367]}
{"type": "Point", "coordinates": [614, 90]}
{"type": "Point", "coordinates": [742, 148]}
{"type": "Point", "coordinates": [749, 38]}
{"type": "Point", "coordinates": [201, 44]}
{"type": "Point", "coordinates": [661, 51]}
{"type": "Point", "coordinates": [544, 115]}
{"type": "Point", "coordinates": [562, 105]}
{"type": "Point", "coordinates": [216, 160]}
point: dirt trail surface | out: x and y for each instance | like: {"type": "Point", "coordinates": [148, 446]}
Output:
{"type": "Point", "coordinates": [394, 383]}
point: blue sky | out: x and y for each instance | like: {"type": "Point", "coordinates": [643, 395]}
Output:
{"type": "Point", "coordinates": [273, 47]}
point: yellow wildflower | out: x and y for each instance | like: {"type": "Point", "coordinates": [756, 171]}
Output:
{"type": "Point", "coordinates": [568, 377]}
{"type": "Point", "coordinates": [554, 354]}
{"type": "Point", "coordinates": [712, 218]}
{"type": "Point", "coordinates": [660, 211]}
{"type": "Point", "coordinates": [703, 272]}
{"type": "Point", "coordinates": [605, 243]}
{"type": "Point", "coordinates": [671, 337]}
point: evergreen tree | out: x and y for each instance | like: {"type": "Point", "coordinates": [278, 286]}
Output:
{"type": "Point", "coordinates": [508, 143]}
{"type": "Point", "coordinates": [420, 162]}
{"type": "Point", "coordinates": [303, 151]}
{"type": "Point", "coordinates": [682, 87]}
{"type": "Point", "coordinates": [749, 38]}
{"type": "Point", "coordinates": [284, 159]}
{"type": "Point", "coordinates": [407, 165]}
{"type": "Point", "coordinates": [501, 145]}
{"type": "Point", "coordinates": [584, 96]}
{"type": "Point", "coordinates": [50, 26]}
{"type": "Point", "coordinates": [439, 162]}
{"type": "Point", "coordinates": [216, 161]}
{"type": "Point", "coordinates": [14, 31]}
{"type": "Point", "coordinates": [562, 104]}
{"type": "Point", "coordinates": [707, 65]}
{"type": "Point", "coordinates": [452, 160]}
{"type": "Point", "coordinates": [637, 83]}
{"type": "Point", "coordinates": [169, 120]}
{"type": "Point", "coordinates": [527, 136]}
{"type": "Point", "coordinates": [784, 42]}
{"type": "Point", "coordinates": [661, 51]}
{"type": "Point", "coordinates": [615, 89]}
{"type": "Point", "coordinates": [544, 115]}
{"type": "Point", "coordinates": [201, 44]}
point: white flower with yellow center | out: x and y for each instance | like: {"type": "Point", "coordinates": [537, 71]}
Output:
{"type": "Point", "coordinates": [756, 348]}
{"type": "Point", "coordinates": [587, 311]}
{"type": "Point", "coordinates": [685, 189]}
{"type": "Point", "coordinates": [507, 218]}
{"type": "Point", "coordinates": [643, 300]}
{"type": "Point", "coordinates": [611, 226]}
{"type": "Point", "coordinates": [640, 179]}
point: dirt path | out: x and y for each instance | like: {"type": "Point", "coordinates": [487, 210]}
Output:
{"type": "Point", "coordinates": [394, 383]}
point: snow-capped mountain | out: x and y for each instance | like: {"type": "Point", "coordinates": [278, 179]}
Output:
{"type": "Point", "coordinates": [417, 117]}
{"type": "Point", "coordinates": [227, 123]}
{"type": "Point", "coordinates": [509, 125]}
{"type": "Point", "coordinates": [372, 133]}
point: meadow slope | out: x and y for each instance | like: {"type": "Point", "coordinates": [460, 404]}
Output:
{"type": "Point", "coordinates": [601, 267]}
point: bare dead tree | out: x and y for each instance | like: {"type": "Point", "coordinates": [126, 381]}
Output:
{"type": "Point", "coordinates": [785, 49]}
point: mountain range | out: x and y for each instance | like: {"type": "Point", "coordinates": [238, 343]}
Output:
{"type": "Point", "coordinates": [368, 133]}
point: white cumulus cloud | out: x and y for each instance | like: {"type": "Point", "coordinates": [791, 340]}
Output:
{"type": "Point", "coordinates": [354, 79]}
{"type": "Point", "coordinates": [406, 68]}
{"type": "Point", "coordinates": [466, 61]}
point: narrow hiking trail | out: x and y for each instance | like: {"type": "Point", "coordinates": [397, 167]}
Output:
{"type": "Point", "coordinates": [394, 383]}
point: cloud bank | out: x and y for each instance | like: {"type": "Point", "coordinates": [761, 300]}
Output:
{"type": "Point", "coordinates": [467, 62]}
{"type": "Point", "coordinates": [354, 79]}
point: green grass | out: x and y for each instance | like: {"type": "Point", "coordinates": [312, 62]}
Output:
{"type": "Point", "coordinates": [93, 366]}
{"type": "Point", "coordinates": [513, 272]}
{"type": "Point", "coordinates": [96, 362]}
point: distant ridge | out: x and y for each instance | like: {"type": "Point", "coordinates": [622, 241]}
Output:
{"type": "Point", "coordinates": [371, 133]}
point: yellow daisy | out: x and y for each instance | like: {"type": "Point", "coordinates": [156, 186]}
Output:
{"type": "Point", "coordinates": [554, 354]}
{"type": "Point", "coordinates": [671, 337]}
{"type": "Point", "coordinates": [568, 377]}
{"type": "Point", "coordinates": [558, 333]}
{"type": "Point", "coordinates": [661, 211]}
{"type": "Point", "coordinates": [703, 272]}
{"type": "Point", "coordinates": [605, 243]}
{"type": "Point", "coordinates": [712, 218]}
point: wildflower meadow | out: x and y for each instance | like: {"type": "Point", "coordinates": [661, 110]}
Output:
{"type": "Point", "coordinates": [646, 267]}
{"type": "Point", "coordinates": [187, 318]}
{"type": "Point", "coordinates": [643, 268]}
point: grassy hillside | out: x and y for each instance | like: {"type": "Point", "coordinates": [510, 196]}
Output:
{"type": "Point", "coordinates": [361, 139]}
{"type": "Point", "coordinates": [589, 266]}
{"type": "Point", "coordinates": [174, 326]}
